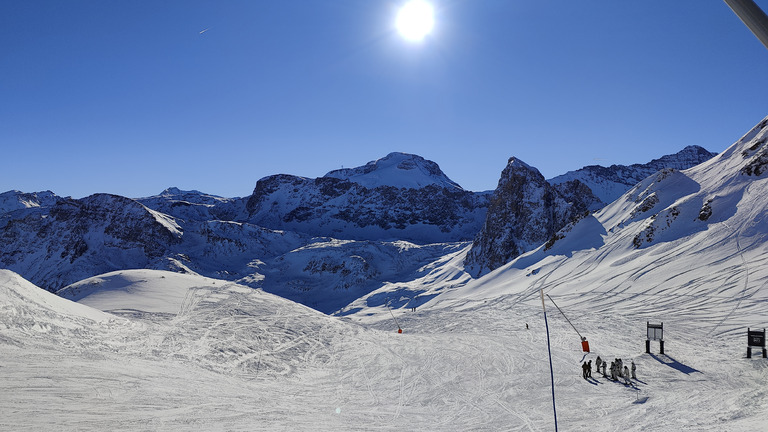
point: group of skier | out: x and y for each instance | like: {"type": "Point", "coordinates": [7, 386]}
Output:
{"type": "Point", "coordinates": [618, 370]}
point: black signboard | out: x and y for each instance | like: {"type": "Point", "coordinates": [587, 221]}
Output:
{"type": "Point", "coordinates": [756, 338]}
{"type": "Point", "coordinates": [655, 331]}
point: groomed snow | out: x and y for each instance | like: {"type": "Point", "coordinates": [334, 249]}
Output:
{"type": "Point", "coordinates": [234, 358]}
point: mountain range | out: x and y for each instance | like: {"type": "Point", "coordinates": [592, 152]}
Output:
{"type": "Point", "coordinates": [323, 242]}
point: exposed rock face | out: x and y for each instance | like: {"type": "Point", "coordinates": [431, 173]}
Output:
{"type": "Point", "coordinates": [579, 195]}
{"type": "Point", "coordinates": [757, 153]}
{"type": "Point", "coordinates": [438, 211]}
{"type": "Point", "coordinates": [524, 212]}
{"type": "Point", "coordinates": [609, 183]}
{"type": "Point", "coordinates": [57, 245]}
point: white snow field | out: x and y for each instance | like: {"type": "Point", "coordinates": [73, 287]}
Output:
{"type": "Point", "coordinates": [154, 350]}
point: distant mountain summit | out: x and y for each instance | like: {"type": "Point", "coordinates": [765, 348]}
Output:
{"type": "Point", "coordinates": [400, 170]}
{"type": "Point", "coordinates": [609, 183]}
{"type": "Point", "coordinates": [195, 205]}
{"type": "Point", "coordinates": [16, 200]}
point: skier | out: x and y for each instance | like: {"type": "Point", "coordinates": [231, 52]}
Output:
{"type": "Point", "coordinates": [598, 362]}
{"type": "Point", "coordinates": [589, 369]}
{"type": "Point", "coordinates": [604, 364]}
{"type": "Point", "coordinates": [584, 370]}
{"type": "Point", "coordinates": [626, 376]}
{"type": "Point", "coordinates": [526, 326]}
{"type": "Point", "coordinates": [634, 368]}
{"type": "Point", "coordinates": [613, 371]}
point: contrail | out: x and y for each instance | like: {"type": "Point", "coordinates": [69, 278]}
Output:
{"type": "Point", "coordinates": [203, 31]}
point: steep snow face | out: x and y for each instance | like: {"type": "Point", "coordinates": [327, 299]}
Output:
{"type": "Point", "coordinates": [16, 200]}
{"type": "Point", "coordinates": [339, 208]}
{"type": "Point", "coordinates": [399, 170]}
{"type": "Point", "coordinates": [196, 206]}
{"type": "Point", "coordinates": [524, 212]}
{"type": "Point", "coordinates": [611, 182]}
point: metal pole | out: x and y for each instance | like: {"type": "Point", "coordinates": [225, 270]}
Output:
{"type": "Point", "coordinates": [549, 350]}
{"type": "Point", "coordinates": [752, 16]}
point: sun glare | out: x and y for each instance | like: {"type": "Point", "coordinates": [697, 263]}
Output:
{"type": "Point", "coordinates": [415, 20]}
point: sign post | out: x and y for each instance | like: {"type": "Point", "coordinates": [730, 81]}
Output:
{"type": "Point", "coordinates": [755, 338]}
{"type": "Point", "coordinates": [655, 332]}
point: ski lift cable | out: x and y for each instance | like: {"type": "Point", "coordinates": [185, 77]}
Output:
{"type": "Point", "coordinates": [393, 316]}
{"type": "Point", "coordinates": [566, 318]}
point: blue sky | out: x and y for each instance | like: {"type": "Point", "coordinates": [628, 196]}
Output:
{"type": "Point", "coordinates": [130, 98]}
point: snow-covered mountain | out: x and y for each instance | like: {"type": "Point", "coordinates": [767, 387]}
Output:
{"type": "Point", "coordinates": [16, 200]}
{"type": "Point", "coordinates": [526, 210]}
{"type": "Point", "coordinates": [73, 239]}
{"type": "Point", "coordinates": [196, 205]}
{"type": "Point", "coordinates": [400, 170]}
{"type": "Point", "coordinates": [57, 245]}
{"type": "Point", "coordinates": [399, 197]}
{"type": "Point", "coordinates": [266, 240]}
{"type": "Point", "coordinates": [608, 183]}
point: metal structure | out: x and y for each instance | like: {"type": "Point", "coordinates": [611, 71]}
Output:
{"type": "Point", "coordinates": [752, 16]}
{"type": "Point", "coordinates": [549, 350]}
{"type": "Point", "coordinates": [655, 332]}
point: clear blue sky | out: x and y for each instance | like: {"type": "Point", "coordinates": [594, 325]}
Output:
{"type": "Point", "coordinates": [128, 97]}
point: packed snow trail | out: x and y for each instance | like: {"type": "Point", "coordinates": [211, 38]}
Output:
{"type": "Point", "coordinates": [232, 358]}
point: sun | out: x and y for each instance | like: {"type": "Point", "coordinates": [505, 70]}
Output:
{"type": "Point", "coordinates": [415, 20]}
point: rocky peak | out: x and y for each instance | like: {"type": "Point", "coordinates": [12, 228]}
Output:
{"type": "Point", "coordinates": [524, 212]}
